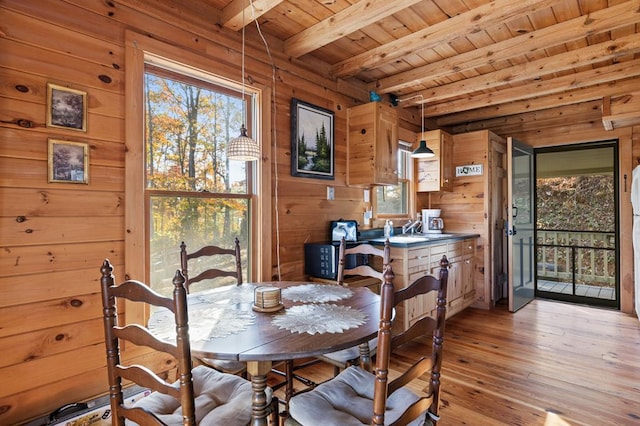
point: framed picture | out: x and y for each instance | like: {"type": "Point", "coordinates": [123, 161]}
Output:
{"type": "Point", "coordinates": [66, 108]}
{"type": "Point", "coordinates": [312, 141]}
{"type": "Point", "coordinates": [68, 162]}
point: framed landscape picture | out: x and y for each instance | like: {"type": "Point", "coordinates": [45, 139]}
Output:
{"type": "Point", "coordinates": [312, 141]}
{"type": "Point", "coordinates": [68, 162]}
{"type": "Point", "coordinates": [66, 108]}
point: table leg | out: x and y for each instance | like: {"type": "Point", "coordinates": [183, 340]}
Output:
{"type": "Point", "coordinates": [259, 407]}
{"type": "Point", "coordinates": [365, 356]}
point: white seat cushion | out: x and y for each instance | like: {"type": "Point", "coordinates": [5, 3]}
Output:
{"type": "Point", "coordinates": [221, 399]}
{"type": "Point", "coordinates": [347, 400]}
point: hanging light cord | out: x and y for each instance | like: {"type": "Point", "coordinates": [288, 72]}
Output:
{"type": "Point", "coordinates": [244, 103]}
{"type": "Point", "coordinates": [273, 129]}
{"type": "Point", "coordinates": [422, 115]}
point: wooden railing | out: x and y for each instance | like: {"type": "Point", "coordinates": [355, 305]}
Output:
{"type": "Point", "coordinates": [576, 256]}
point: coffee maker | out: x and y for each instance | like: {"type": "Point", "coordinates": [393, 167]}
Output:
{"type": "Point", "coordinates": [432, 223]}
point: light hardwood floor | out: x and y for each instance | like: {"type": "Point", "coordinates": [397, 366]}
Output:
{"type": "Point", "coordinates": [501, 368]}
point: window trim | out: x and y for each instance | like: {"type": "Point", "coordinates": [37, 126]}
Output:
{"type": "Point", "coordinates": [140, 49]}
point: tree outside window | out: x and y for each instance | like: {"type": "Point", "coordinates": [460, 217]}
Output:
{"type": "Point", "coordinates": [194, 193]}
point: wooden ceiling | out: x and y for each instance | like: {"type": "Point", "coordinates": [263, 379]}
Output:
{"type": "Point", "coordinates": [471, 62]}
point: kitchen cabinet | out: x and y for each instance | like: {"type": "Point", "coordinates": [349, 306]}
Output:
{"type": "Point", "coordinates": [436, 173]}
{"type": "Point", "coordinates": [372, 145]}
{"type": "Point", "coordinates": [461, 286]}
{"type": "Point", "coordinates": [414, 262]}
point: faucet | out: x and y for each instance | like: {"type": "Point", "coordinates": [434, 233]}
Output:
{"type": "Point", "coordinates": [412, 225]}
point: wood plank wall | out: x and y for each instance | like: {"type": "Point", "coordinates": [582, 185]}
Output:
{"type": "Point", "coordinates": [53, 237]}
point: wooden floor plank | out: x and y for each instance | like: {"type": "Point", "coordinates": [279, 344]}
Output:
{"type": "Point", "coordinates": [501, 368]}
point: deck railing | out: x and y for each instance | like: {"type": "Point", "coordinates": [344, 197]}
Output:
{"type": "Point", "coordinates": [576, 256]}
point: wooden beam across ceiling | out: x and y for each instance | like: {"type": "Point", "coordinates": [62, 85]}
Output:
{"type": "Point", "coordinates": [458, 26]}
{"type": "Point", "coordinates": [616, 88]}
{"type": "Point", "coordinates": [345, 22]}
{"type": "Point", "coordinates": [239, 11]}
{"type": "Point", "coordinates": [565, 83]}
{"type": "Point", "coordinates": [545, 38]}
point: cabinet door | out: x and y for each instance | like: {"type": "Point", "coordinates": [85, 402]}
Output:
{"type": "Point", "coordinates": [436, 173]}
{"type": "Point", "coordinates": [386, 159]}
{"type": "Point", "coordinates": [446, 162]}
{"type": "Point", "coordinates": [454, 287]}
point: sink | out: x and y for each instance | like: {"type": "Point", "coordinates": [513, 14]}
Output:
{"type": "Point", "coordinates": [413, 238]}
{"type": "Point", "coordinates": [408, 238]}
{"type": "Point", "coordinates": [405, 239]}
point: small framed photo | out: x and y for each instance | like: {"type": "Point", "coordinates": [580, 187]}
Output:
{"type": "Point", "coordinates": [312, 141]}
{"type": "Point", "coordinates": [68, 162]}
{"type": "Point", "coordinates": [66, 108]}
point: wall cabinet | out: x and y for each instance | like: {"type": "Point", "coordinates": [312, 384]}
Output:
{"type": "Point", "coordinates": [372, 145]}
{"type": "Point", "coordinates": [436, 173]}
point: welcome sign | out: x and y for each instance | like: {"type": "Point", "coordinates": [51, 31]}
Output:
{"type": "Point", "coordinates": [469, 170]}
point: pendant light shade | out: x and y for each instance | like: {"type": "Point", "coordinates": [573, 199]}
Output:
{"type": "Point", "coordinates": [243, 148]}
{"type": "Point", "coordinates": [423, 151]}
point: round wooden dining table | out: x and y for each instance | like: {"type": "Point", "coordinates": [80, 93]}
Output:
{"type": "Point", "coordinates": [313, 319]}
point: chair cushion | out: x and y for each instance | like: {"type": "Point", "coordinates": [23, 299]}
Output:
{"type": "Point", "coordinates": [347, 400]}
{"type": "Point", "coordinates": [221, 399]}
{"type": "Point", "coordinates": [349, 354]}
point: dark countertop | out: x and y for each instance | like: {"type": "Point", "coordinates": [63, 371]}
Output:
{"type": "Point", "coordinates": [417, 240]}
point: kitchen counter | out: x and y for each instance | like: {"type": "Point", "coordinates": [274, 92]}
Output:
{"type": "Point", "coordinates": [418, 240]}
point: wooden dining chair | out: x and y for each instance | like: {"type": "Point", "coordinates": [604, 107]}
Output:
{"type": "Point", "coordinates": [201, 395]}
{"type": "Point", "coordinates": [357, 397]}
{"type": "Point", "coordinates": [346, 357]}
{"type": "Point", "coordinates": [211, 254]}
{"type": "Point", "coordinates": [375, 256]}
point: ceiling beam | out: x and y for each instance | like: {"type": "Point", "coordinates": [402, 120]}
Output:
{"type": "Point", "coordinates": [545, 38]}
{"type": "Point", "coordinates": [536, 119]}
{"type": "Point", "coordinates": [536, 89]}
{"type": "Point", "coordinates": [617, 88]}
{"type": "Point", "coordinates": [347, 21]}
{"type": "Point", "coordinates": [239, 11]}
{"type": "Point", "coordinates": [533, 70]}
{"type": "Point", "coordinates": [473, 21]}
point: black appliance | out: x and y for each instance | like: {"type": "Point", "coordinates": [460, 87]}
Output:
{"type": "Point", "coordinates": [321, 259]}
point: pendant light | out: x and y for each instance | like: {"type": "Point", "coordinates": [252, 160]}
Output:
{"type": "Point", "coordinates": [423, 151]}
{"type": "Point", "coordinates": [243, 148]}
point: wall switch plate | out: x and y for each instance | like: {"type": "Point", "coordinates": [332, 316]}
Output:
{"type": "Point", "coordinates": [367, 196]}
{"type": "Point", "coordinates": [331, 193]}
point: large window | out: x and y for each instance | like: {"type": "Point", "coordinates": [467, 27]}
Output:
{"type": "Point", "coordinates": [394, 200]}
{"type": "Point", "coordinates": [193, 192]}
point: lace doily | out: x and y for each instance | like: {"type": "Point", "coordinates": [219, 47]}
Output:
{"type": "Point", "coordinates": [316, 293]}
{"type": "Point", "coordinates": [314, 318]}
{"type": "Point", "coordinates": [205, 323]}
{"type": "Point", "coordinates": [227, 295]}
